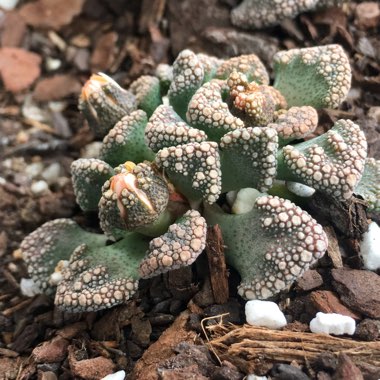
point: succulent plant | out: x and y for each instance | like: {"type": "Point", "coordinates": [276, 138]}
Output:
{"type": "Point", "coordinates": [256, 14]}
{"type": "Point", "coordinates": [200, 129]}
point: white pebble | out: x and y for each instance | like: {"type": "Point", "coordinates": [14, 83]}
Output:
{"type": "Point", "coordinates": [8, 4]}
{"type": "Point", "coordinates": [370, 247]}
{"type": "Point", "coordinates": [51, 173]}
{"type": "Point", "coordinates": [165, 101]}
{"type": "Point", "coordinates": [332, 323]}
{"type": "Point", "coordinates": [245, 199]}
{"type": "Point", "coordinates": [91, 150]}
{"type": "Point", "coordinates": [120, 375]}
{"type": "Point", "coordinates": [300, 189]}
{"type": "Point", "coordinates": [33, 170]}
{"type": "Point", "coordinates": [265, 314]}
{"type": "Point", "coordinates": [52, 64]}
{"type": "Point", "coordinates": [55, 278]}
{"type": "Point", "coordinates": [255, 377]}
{"type": "Point", "coordinates": [29, 288]}
{"type": "Point", "coordinates": [30, 110]}
{"type": "Point", "coordinates": [39, 187]}
{"type": "Point", "coordinates": [231, 197]}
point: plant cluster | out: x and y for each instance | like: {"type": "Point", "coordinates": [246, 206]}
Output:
{"type": "Point", "coordinates": [204, 142]}
{"type": "Point", "coordinates": [256, 14]}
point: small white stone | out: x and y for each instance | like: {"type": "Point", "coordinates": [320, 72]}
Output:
{"type": "Point", "coordinates": [29, 288]}
{"type": "Point", "coordinates": [265, 314]}
{"type": "Point", "coordinates": [231, 197]}
{"type": "Point", "coordinates": [51, 173]}
{"type": "Point", "coordinates": [255, 377]}
{"type": "Point", "coordinates": [120, 375]}
{"type": "Point", "coordinates": [8, 4]}
{"type": "Point", "coordinates": [55, 278]}
{"type": "Point", "coordinates": [245, 200]}
{"type": "Point", "coordinates": [91, 150]}
{"type": "Point", "coordinates": [300, 189]}
{"type": "Point", "coordinates": [332, 323]}
{"type": "Point", "coordinates": [39, 187]}
{"type": "Point", "coordinates": [370, 247]}
{"type": "Point", "coordinates": [34, 169]}
{"type": "Point", "coordinates": [52, 64]}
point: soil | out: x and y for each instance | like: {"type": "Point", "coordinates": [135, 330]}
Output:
{"type": "Point", "coordinates": [178, 325]}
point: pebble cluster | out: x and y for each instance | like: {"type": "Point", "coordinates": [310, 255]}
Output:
{"type": "Point", "coordinates": [104, 103]}
{"type": "Point", "coordinates": [293, 240]}
{"type": "Point", "coordinates": [199, 162]}
{"type": "Point", "coordinates": [259, 147]}
{"type": "Point", "coordinates": [295, 123]}
{"type": "Point", "coordinates": [180, 246]}
{"type": "Point", "coordinates": [295, 69]}
{"type": "Point", "coordinates": [333, 162]}
{"type": "Point", "coordinates": [165, 128]}
{"type": "Point", "coordinates": [86, 287]}
{"type": "Point", "coordinates": [139, 193]}
{"type": "Point", "coordinates": [249, 64]}
{"type": "Point", "coordinates": [208, 112]}
{"type": "Point", "coordinates": [88, 176]}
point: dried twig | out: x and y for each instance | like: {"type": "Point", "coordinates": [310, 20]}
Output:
{"type": "Point", "coordinates": [249, 346]}
{"type": "Point", "coordinates": [217, 264]}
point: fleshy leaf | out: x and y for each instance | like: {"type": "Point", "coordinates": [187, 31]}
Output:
{"type": "Point", "coordinates": [164, 73]}
{"type": "Point", "coordinates": [178, 247]}
{"type": "Point", "coordinates": [54, 241]}
{"type": "Point", "coordinates": [257, 14]}
{"type": "Point", "coordinates": [166, 128]}
{"type": "Point", "coordinates": [88, 176]}
{"type": "Point", "coordinates": [194, 169]}
{"type": "Point", "coordinates": [103, 103]}
{"type": "Point", "coordinates": [126, 141]}
{"type": "Point", "coordinates": [250, 65]}
{"type": "Point", "coordinates": [148, 93]}
{"type": "Point", "coordinates": [208, 112]}
{"type": "Point", "coordinates": [332, 163]}
{"type": "Point", "coordinates": [369, 185]}
{"type": "Point", "coordinates": [318, 76]}
{"type": "Point", "coordinates": [210, 65]}
{"type": "Point", "coordinates": [249, 158]}
{"type": "Point", "coordinates": [295, 123]}
{"type": "Point", "coordinates": [97, 278]}
{"type": "Point", "coordinates": [270, 246]}
{"type": "Point", "coordinates": [188, 75]}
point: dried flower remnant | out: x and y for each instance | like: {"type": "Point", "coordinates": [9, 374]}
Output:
{"type": "Point", "coordinates": [104, 103]}
{"type": "Point", "coordinates": [134, 198]}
